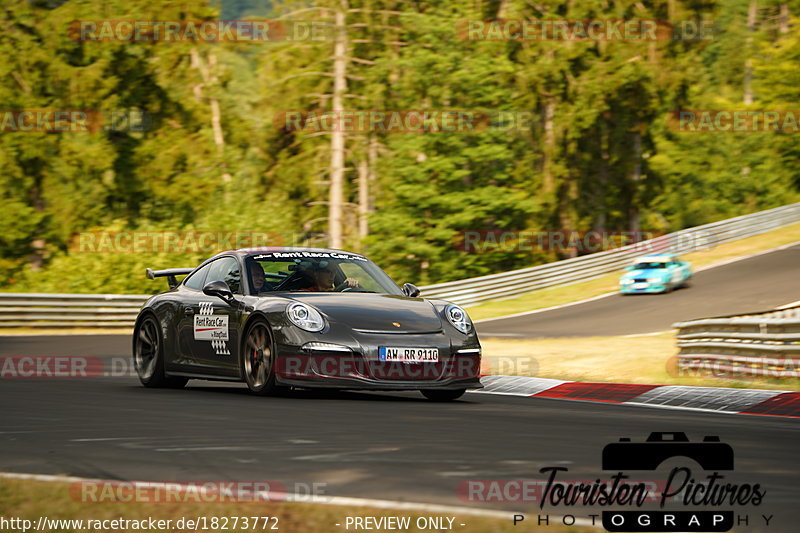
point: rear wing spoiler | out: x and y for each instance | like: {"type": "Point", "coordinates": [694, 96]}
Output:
{"type": "Point", "coordinates": [169, 273]}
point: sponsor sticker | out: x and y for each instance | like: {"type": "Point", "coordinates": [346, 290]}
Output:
{"type": "Point", "coordinates": [310, 255]}
{"type": "Point", "coordinates": [211, 327]}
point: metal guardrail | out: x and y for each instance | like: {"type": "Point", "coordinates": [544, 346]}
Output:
{"type": "Point", "coordinates": [757, 344]}
{"type": "Point", "coordinates": [72, 310]}
{"type": "Point", "coordinates": [114, 310]}
{"type": "Point", "coordinates": [509, 284]}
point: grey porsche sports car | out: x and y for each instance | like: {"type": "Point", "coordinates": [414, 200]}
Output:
{"type": "Point", "coordinates": [302, 317]}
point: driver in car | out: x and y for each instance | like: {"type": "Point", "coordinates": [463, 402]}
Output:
{"type": "Point", "coordinates": [257, 275]}
{"type": "Point", "coordinates": [323, 273]}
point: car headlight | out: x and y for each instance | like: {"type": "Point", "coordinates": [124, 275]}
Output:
{"type": "Point", "coordinates": [459, 318]}
{"type": "Point", "coordinates": [305, 317]}
{"type": "Point", "coordinates": [626, 281]}
{"type": "Point", "coordinates": [654, 280]}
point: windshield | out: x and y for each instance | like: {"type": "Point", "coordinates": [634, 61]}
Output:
{"type": "Point", "coordinates": [307, 271]}
{"type": "Point", "coordinates": [651, 265]}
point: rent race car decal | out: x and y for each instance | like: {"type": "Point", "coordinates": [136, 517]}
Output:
{"type": "Point", "coordinates": [211, 327]}
{"type": "Point", "coordinates": [310, 255]}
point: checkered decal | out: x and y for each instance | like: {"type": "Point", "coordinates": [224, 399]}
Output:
{"type": "Point", "coordinates": [206, 308]}
{"type": "Point", "coordinates": [220, 348]}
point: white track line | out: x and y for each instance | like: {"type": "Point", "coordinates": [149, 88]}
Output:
{"type": "Point", "coordinates": [790, 304]}
{"type": "Point", "coordinates": [305, 498]}
{"type": "Point", "coordinates": [750, 256]}
{"type": "Point", "coordinates": [651, 334]}
{"type": "Point", "coordinates": [606, 295]}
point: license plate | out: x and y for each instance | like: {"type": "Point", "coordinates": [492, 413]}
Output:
{"type": "Point", "coordinates": [640, 285]}
{"type": "Point", "coordinates": [408, 355]}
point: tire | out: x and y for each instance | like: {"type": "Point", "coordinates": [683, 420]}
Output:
{"type": "Point", "coordinates": [148, 356]}
{"type": "Point", "coordinates": [445, 395]}
{"type": "Point", "coordinates": [257, 359]}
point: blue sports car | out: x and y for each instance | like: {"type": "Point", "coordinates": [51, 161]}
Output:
{"type": "Point", "coordinates": [655, 274]}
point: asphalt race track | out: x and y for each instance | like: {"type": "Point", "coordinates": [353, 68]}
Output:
{"type": "Point", "coordinates": [386, 446]}
{"type": "Point", "coordinates": [756, 284]}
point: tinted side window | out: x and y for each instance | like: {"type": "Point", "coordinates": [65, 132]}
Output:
{"type": "Point", "coordinates": [227, 270]}
{"type": "Point", "coordinates": [197, 280]}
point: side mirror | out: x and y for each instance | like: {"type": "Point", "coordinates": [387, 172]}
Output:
{"type": "Point", "coordinates": [410, 290]}
{"type": "Point", "coordinates": [221, 290]}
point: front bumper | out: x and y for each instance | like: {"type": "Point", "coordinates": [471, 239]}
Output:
{"type": "Point", "coordinates": [365, 384]}
{"type": "Point", "coordinates": [357, 366]}
{"type": "Point", "coordinates": [651, 288]}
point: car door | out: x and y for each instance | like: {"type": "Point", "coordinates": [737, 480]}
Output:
{"type": "Point", "coordinates": [675, 275]}
{"type": "Point", "coordinates": [216, 324]}
{"type": "Point", "coordinates": [191, 294]}
{"type": "Point", "coordinates": [686, 269]}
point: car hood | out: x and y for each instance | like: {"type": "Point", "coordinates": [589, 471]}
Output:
{"type": "Point", "coordinates": [375, 312]}
{"type": "Point", "coordinates": [645, 273]}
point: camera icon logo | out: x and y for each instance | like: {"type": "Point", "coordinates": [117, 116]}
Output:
{"type": "Point", "coordinates": [710, 454]}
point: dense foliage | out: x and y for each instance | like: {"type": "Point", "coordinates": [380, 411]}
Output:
{"type": "Point", "coordinates": [598, 151]}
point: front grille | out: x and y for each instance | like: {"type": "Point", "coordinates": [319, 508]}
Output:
{"type": "Point", "coordinates": [395, 332]}
{"type": "Point", "coordinates": [395, 371]}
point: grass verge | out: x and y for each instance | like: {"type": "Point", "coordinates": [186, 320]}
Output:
{"type": "Point", "coordinates": [30, 500]}
{"type": "Point", "coordinates": [605, 359]}
{"type": "Point", "coordinates": [608, 283]}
